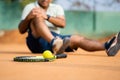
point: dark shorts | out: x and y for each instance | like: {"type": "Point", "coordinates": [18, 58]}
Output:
{"type": "Point", "coordinates": [39, 45]}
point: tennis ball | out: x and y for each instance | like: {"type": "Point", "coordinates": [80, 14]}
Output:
{"type": "Point", "coordinates": [48, 54]}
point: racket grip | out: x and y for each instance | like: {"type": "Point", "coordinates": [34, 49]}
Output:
{"type": "Point", "coordinates": [58, 56]}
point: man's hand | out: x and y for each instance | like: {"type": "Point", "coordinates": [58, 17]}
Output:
{"type": "Point", "coordinates": [37, 12]}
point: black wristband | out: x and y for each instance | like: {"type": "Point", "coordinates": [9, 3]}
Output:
{"type": "Point", "coordinates": [48, 17]}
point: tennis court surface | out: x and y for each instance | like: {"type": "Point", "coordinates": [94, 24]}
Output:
{"type": "Point", "coordinates": [79, 65]}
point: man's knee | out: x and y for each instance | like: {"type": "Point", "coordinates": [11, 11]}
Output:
{"type": "Point", "coordinates": [38, 19]}
{"type": "Point", "coordinates": [76, 38]}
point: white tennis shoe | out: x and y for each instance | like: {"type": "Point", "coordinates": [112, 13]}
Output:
{"type": "Point", "coordinates": [60, 45]}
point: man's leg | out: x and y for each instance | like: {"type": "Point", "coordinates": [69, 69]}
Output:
{"type": "Point", "coordinates": [77, 41]}
{"type": "Point", "coordinates": [40, 29]}
{"type": "Point", "coordinates": [112, 46]}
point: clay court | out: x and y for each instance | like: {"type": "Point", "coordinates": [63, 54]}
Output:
{"type": "Point", "coordinates": [79, 65]}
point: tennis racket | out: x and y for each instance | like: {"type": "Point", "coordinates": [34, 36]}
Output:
{"type": "Point", "coordinates": [38, 58]}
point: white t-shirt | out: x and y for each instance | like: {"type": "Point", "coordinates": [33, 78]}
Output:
{"type": "Point", "coordinates": [53, 10]}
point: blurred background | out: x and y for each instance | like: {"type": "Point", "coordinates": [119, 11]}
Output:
{"type": "Point", "coordinates": [90, 18]}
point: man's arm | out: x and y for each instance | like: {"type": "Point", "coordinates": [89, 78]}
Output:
{"type": "Point", "coordinates": [58, 21]}
{"type": "Point", "coordinates": [24, 24]}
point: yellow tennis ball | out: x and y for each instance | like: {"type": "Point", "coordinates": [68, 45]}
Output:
{"type": "Point", "coordinates": [48, 54]}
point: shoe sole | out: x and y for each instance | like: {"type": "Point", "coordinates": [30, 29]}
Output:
{"type": "Point", "coordinates": [66, 43]}
{"type": "Point", "coordinates": [114, 49]}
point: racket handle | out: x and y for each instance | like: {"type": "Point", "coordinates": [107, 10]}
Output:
{"type": "Point", "coordinates": [58, 56]}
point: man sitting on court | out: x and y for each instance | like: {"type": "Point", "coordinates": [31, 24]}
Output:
{"type": "Point", "coordinates": [42, 20]}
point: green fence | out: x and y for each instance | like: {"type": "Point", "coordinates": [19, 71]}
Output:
{"type": "Point", "coordinates": [105, 23]}
{"type": "Point", "coordinates": [9, 15]}
{"type": "Point", "coordinates": [78, 22]}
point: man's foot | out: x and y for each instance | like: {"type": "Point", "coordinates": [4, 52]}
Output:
{"type": "Point", "coordinates": [57, 44]}
{"type": "Point", "coordinates": [113, 45]}
{"type": "Point", "coordinates": [66, 42]}
{"type": "Point", "coordinates": [60, 45]}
